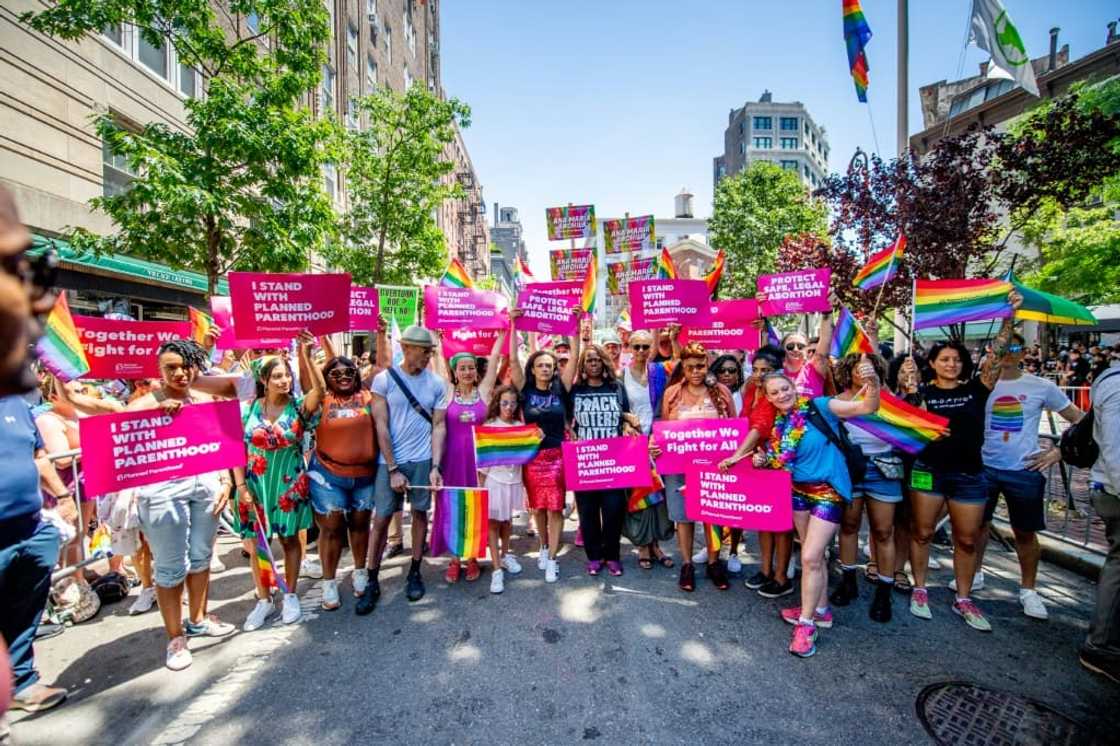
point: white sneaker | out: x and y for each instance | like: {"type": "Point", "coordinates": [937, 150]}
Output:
{"type": "Point", "coordinates": [311, 568]}
{"type": "Point", "coordinates": [497, 584]}
{"type": "Point", "coordinates": [977, 582]}
{"type": "Point", "coordinates": [290, 613]}
{"type": "Point", "coordinates": [144, 602]}
{"type": "Point", "coordinates": [260, 613]}
{"type": "Point", "coordinates": [552, 572]}
{"type": "Point", "coordinates": [360, 579]}
{"type": "Point", "coordinates": [932, 563]}
{"type": "Point", "coordinates": [216, 565]}
{"type": "Point", "coordinates": [178, 656]}
{"type": "Point", "coordinates": [1032, 604]}
{"type": "Point", "coordinates": [511, 565]}
{"type": "Point", "coordinates": [734, 564]}
{"type": "Point", "coordinates": [542, 559]}
{"type": "Point", "coordinates": [700, 557]}
{"type": "Point", "coordinates": [330, 595]}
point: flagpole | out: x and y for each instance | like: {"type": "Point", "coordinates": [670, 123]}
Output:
{"type": "Point", "coordinates": [903, 76]}
{"type": "Point", "coordinates": [913, 312]}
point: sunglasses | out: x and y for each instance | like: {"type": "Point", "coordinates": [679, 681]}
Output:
{"type": "Point", "coordinates": [641, 348]}
{"type": "Point", "coordinates": [795, 346]}
{"type": "Point", "coordinates": [40, 273]}
{"type": "Point", "coordinates": [729, 371]}
{"type": "Point", "coordinates": [1013, 348]}
{"type": "Point", "coordinates": [335, 375]}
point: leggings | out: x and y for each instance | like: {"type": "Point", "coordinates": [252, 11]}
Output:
{"type": "Point", "coordinates": [601, 515]}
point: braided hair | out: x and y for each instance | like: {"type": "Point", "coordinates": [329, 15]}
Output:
{"type": "Point", "coordinates": [194, 356]}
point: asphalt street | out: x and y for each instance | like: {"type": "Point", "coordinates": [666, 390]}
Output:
{"type": "Point", "coordinates": [617, 660]}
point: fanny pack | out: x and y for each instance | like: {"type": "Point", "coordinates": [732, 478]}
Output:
{"type": "Point", "coordinates": [889, 465]}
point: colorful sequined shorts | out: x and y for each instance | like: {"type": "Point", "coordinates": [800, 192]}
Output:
{"type": "Point", "coordinates": [818, 499]}
{"type": "Point", "coordinates": [544, 480]}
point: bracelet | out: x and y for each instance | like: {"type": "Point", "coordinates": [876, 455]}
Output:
{"type": "Point", "coordinates": [241, 484]}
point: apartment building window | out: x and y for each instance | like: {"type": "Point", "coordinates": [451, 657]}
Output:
{"type": "Point", "coordinates": [389, 44]}
{"type": "Point", "coordinates": [116, 175]}
{"type": "Point", "coordinates": [253, 21]}
{"type": "Point", "coordinates": [789, 123]}
{"type": "Point", "coordinates": [742, 147]}
{"type": "Point", "coordinates": [352, 114]}
{"type": "Point", "coordinates": [806, 172]}
{"type": "Point", "coordinates": [153, 56]}
{"type": "Point", "coordinates": [763, 123]}
{"type": "Point", "coordinates": [160, 60]}
{"type": "Point", "coordinates": [371, 75]}
{"type": "Point", "coordinates": [789, 143]}
{"type": "Point", "coordinates": [407, 79]}
{"type": "Point", "coordinates": [742, 127]}
{"type": "Point", "coordinates": [188, 81]}
{"type": "Point", "coordinates": [327, 99]}
{"type": "Point", "coordinates": [813, 137]}
{"type": "Point", "coordinates": [330, 180]}
{"type": "Point", "coordinates": [410, 34]}
{"type": "Point", "coordinates": [789, 166]}
{"type": "Point", "coordinates": [806, 129]}
{"type": "Point", "coordinates": [762, 142]}
{"type": "Point", "coordinates": [351, 47]}
{"type": "Point", "coordinates": [114, 33]}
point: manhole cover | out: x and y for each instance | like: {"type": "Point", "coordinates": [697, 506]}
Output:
{"type": "Point", "coordinates": [957, 712]}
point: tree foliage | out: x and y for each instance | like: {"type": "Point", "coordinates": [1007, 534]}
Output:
{"type": "Point", "coordinates": [753, 212]}
{"type": "Point", "coordinates": [396, 173]}
{"type": "Point", "coordinates": [242, 189]}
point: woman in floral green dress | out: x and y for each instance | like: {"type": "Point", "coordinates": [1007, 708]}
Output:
{"type": "Point", "coordinates": [274, 482]}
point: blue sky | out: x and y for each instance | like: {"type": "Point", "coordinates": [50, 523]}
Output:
{"type": "Point", "coordinates": [620, 103]}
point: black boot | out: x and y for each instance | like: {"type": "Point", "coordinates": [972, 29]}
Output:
{"type": "Point", "coordinates": [881, 605]}
{"type": "Point", "coordinates": [847, 591]}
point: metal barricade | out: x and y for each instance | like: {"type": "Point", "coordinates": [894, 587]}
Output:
{"type": "Point", "coordinates": [85, 558]}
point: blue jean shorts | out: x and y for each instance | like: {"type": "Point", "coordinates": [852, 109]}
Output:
{"type": "Point", "coordinates": [1025, 493]}
{"type": "Point", "coordinates": [386, 501]}
{"type": "Point", "coordinates": [878, 487]}
{"type": "Point", "coordinates": [958, 486]}
{"type": "Point", "coordinates": [331, 493]}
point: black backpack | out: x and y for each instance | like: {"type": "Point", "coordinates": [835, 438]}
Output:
{"type": "Point", "coordinates": [853, 454]}
{"type": "Point", "coordinates": [1077, 445]}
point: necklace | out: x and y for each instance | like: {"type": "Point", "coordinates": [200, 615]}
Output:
{"type": "Point", "coordinates": [787, 432]}
{"type": "Point", "coordinates": [461, 398]}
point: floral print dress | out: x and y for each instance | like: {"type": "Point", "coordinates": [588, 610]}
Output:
{"type": "Point", "coordinates": [275, 472]}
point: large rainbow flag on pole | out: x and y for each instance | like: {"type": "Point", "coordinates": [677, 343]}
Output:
{"type": "Point", "coordinates": [456, 276]}
{"type": "Point", "coordinates": [522, 275]}
{"type": "Point", "coordinates": [60, 349]}
{"type": "Point", "coordinates": [270, 578]}
{"type": "Point", "coordinates": [590, 286]}
{"type": "Point", "coordinates": [665, 268]}
{"type": "Point", "coordinates": [461, 522]}
{"type": "Point", "coordinates": [497, 445]}
{"type": "Point", "coordinates": [856, 34]}
{"type": "Point", "coordinates": [903, 425]}
{"type": "Point", "coordinates": [848, 337]}
{"type": "Point", "coordinates": [943, 302]}
{"type": "Point", "coordinates": [881, 267]}
{"type": "Point", "coordinates": [201, 324]}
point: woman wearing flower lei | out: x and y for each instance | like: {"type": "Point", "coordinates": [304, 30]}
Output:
{"type": "Point", "coordinates": [821, 486]}
{"type": "Point", "coordinates": [274, 483]}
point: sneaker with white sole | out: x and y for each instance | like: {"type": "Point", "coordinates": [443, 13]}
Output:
{"type": "Point", "coordinates": [700, 557]}
{"type": "Point", "coordinates": [977, 582]}
{"type": "Point", "coordinates": [973, 617]}
{"type": "Point", "coordinates": [919, 603]}
{"type": "Point", "coordinates": [497, 582]}
{"type": "Point", "coordinates": [542, 559]}
{"type": "Point", "coordinates": [290, 612]}
{"type": "Point", "coordinates": [330, 595]}
{"type": "Point", "coordinates": [511, 565]}
{"type": "Point", "coordinates": [1032, 604]}
{"type": "Point", "coordinates": [144, 602]}
{"type": "Point", "coordinates": [259, 615]}
{"type": "Point", "coordinates": [210, 626]}
{"type": "Point", "coordinates": [178, 656]}
{"type": "Point", "coordinates": [216, 565]}
{"type": "Point", "coordinates": [311, 568]}
{"type": "Point", "coordinates": [734, 564]}
{"type": "Point", "coordinates": [552, 572]}
{"type": "Point", "coordinates": [360, 579]}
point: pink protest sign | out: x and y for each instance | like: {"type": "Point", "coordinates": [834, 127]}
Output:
{"type": "Point", "coordinates": [283, 305]}
{"type": "Point", "coordinates": [744, 497]}
{"type": "Point", "coordinates": [655, 303]}
{"type": "Point", "coordinates": [478, 342]}
{"type": "Point", "coordinates": [364, 305]}
{"type": "Point", "coordinates": [125, 349]}
{"type": "Point", "coordinates": [131, 449]}
{"type": "Point", "coordinates": [684, 443]}
{"type": "Point", "coordinates": [547, 307]}
{"type": "Point", "coordinates": [804, 291]}
{"type": "Point", "coordinates": [222, 312]}
{"type": "Point", "coordinates": [729, 327]}
{"type": "Point", "coordinates": [570, 264]}
{"type": "Point", "coordinates": [573, 221]}
{"type": "Point", "coordinates": [606, 463]}
{"type": "Point", "coordinates": [464, 308]}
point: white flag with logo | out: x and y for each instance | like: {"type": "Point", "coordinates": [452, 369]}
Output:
{"type": "Point", "coordinates": [993, 31]}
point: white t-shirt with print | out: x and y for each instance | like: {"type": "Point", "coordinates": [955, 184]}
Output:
{"type": "Point", "coordinates": [1011, 419]}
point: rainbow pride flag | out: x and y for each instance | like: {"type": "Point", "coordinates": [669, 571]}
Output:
{"type": "Point", "coordinates": [463, 516]}
{"type": "Point", "coordinates": [643, 497]}
{"type": "Point", "coordinates": [881, 267]}
{"type": "Point", "coordinates": [456, 276]}
{"type": "Point", "coordinates": [903, 425]}
{"type": "Point", "coordinates": [590, 286]}
{"type": "Point", "coordinates": [60, 349]}
{"type": "Point", "coordinates": [848, 337]}
{"type": "Point", "coordinates": [270, 578]}
{"type": "Point", "coordinates": [773, 338]}
{"type": "Point", "coordinates": [856, 35]}
{"type": "Point", "coordinates": [665, 268]}
{"type": "Point", "coordinates": [201, 324]}
{"type": "Point", "coordinates": [495, 445]}
{"type": "Point", "coordinates": [942, 302]}
{"type": "Point", "coordinates": [715, 274]}
{"type": "Point", "coordinates": [714, 536]}
{"type": "Point", "coordinates": [522, 275]}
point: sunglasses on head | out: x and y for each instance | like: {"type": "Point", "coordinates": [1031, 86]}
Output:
{"type": "Point", "coordinates": [1013, 348]}
{"type": "Point", "coordinates": [791, 346]}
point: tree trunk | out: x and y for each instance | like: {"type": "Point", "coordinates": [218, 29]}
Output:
{"type": "Point", "coordinates": [213, 241]}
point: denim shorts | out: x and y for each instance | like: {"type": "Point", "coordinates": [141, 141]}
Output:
{"type": "Point", "coordinates": [331, 493]}
{"type": "Point", "coordinates": [958, 486]}
{"type": "Point", "coordinates": [386, 501]}
{"type": "Point", "coordinates": [177, 518]}
{"type": "Point", "coordinates": [1024, 492]}
{"type": "Point", "coordinates": [878, 487]}
{"type": "Point", "coordinates": [674, 497]}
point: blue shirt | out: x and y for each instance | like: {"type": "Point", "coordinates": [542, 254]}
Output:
{"type": "Point", "coordinates": [817, 459]}
{"type": "Point", "coordinates": [411, 433]}
{"type": "Point", "coordinates": [19, 477]}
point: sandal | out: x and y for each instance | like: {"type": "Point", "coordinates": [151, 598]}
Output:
{"type": "Point", "coordinates": [871, 572]}
{"type": "Point", "coordinates": [645, 563]}
{"type": "Point", "coordinates": [902, 582]}
{"type": "Point", "coordinates": [665, 560]}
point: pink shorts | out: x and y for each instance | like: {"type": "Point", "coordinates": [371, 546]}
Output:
{"type": "Point", "coordinates": [544, 480]}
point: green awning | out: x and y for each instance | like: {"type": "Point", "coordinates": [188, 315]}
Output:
{"type": "Point", "coordinates": [120, 264]}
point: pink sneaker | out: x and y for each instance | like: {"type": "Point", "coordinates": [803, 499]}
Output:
{"type": "Point", "coordinates": [972, 616]}
{"type": "Point", "coordinates": [793, 615]}
{"type": "Point", "coordinates": [614, 567]}
{"type": "Point", "coordinates": [804, 640]}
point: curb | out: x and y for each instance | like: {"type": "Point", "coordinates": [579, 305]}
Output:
{"type": "Point", "coordinates": [1084, 562]}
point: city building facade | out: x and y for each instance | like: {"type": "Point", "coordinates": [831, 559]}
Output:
{"type": "Point", "coordinates": [506, 245]}
{"type": "Point", "coordinates": [782, 133]}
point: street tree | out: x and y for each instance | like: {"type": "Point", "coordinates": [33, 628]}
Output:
{"type": "Point", "coordinates": [752, 212]}
{"type": "Point", "coordinates": [396, 172]}
{"type": "Point", "coordinates": [241, 187]}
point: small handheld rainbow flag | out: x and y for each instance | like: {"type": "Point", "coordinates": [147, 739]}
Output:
{"type": "Point", "coordinates": [463, 516]}
{"type": "Point", "coordinates": [643, 497]}
{"type": "Point", "coordinates": [881, 267]}
{"type": "Point", "coordinates": [270, 578]}
{"type": "Point", "coordinates": [495, 445]}
{"type": "Point", "coordinates": [590, 286]}
{"type": "Point", "coordinates": [715, 274]}
{"type": "Point", "coordinates": [856, 34]}
{"type": "Point", "coordinates": [60, 349]}
{"type": "Point", "coordinates": [903, 425]}
{"type": "Point", "coordinates": [714, 536]}
{"type": "Point", "coordinates": [942, 302]}
{"type": "Point", "coordinates": [666, 270]}
{"type": "Point", "coordinates": [773, 337]}
{"type": "Point", "coordinates": [522, 275]}
{"type": "Point", "coordinates": [201, 324]}
{"type": "Point", "coordinates": [848, 337]}
{"type": "Point", "coordinates": [456, 276]}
